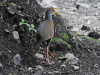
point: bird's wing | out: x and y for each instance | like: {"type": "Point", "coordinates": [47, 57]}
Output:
{"type": "Point", "coordinates": [45, 30]}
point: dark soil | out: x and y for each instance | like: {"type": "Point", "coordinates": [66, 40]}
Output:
{"type": "Point", "coordinates": [87, 51]}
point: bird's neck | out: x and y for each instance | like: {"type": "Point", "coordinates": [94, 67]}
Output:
{"type": "Point", "coordinates": [49, 17]}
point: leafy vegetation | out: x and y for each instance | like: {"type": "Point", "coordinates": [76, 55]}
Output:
{"type": "Point", "coordinates": [78, 37]}
{"type": "Point", "coordinates": [64, 41]}
{"type": "Point", "coordinates": [69, 46]}
{"type": "Point", "coordinates": [92, 39]}
{"type": "Point", "coordinates": [62, 58]}
{"type": "Point", "coordinates": [73, 41]}
{"type": "Point", "coordinates": [65, 36]}
{"type": "Point", "coordinates": [31, 27]}
{"type": "Point", "coordinates": [55, 39]}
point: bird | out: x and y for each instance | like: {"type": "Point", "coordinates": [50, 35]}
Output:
{"type": "Point", "coordinates": [45, 31]}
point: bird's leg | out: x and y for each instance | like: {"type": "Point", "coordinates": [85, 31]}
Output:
{"type": "Point", "coordinates": [44, 51]}
{"type": "Point", "coordinates": [48, 56]}
{"type": "Point", "coordinates": [47, 53]}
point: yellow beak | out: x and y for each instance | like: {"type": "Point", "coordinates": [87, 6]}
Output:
{"type": "Point", "coordinates": [55, 8]}
{"type": "Point", "coordinates": [55, 12]}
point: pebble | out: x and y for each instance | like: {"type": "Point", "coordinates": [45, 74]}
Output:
{"type": "Point", "coordinates": [17, 59]}
{"type": "Point", "coordinates": [6, 30]}
{"type": "Point", "coordinates": [39, 67]}
{"type": "Point", "coordinates": [38, 55]}
{"type": "Point", "coordinates": [30, 68]}
{"type": "Point", "coordinates": [56, 72]}
{"type": "Point", "coordinates": [76, 67]}
{"type": "Point", "coordinates": [96, 65]}
{"type": "Point", "coordinates": [1, 65]}
{"type": "Point", "coordinates": [63, 65]}
{"type": "Point", "coordinates": [71, 59]}
{"type": "Point", "coordinates": [15, 35]}
{"type": "Point", "coordinates": [10, 74]}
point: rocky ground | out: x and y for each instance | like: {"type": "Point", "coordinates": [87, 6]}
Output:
{"type": "Point", "coordinates": [19, 53]}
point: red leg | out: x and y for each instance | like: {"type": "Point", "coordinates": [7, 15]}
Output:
{"type": "Point", "coordinates": [48, 56]}
{"type": "Point", "coordinates": [44, 51]}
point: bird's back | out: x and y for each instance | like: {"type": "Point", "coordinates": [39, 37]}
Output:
{"type": "Point", "coordinates": [45, 31]}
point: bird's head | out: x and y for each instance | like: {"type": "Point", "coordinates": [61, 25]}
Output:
{"type": "Point", "coordinates": [51, 11]}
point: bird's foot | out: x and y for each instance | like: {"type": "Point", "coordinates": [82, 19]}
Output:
{"type": "Point", "coordinates": [52, 55]}
{"type": "Point", "coordinates": [48, 61]}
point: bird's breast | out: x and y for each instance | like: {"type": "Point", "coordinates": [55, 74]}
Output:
{"type": "Point", "coordinates": [52, 28]}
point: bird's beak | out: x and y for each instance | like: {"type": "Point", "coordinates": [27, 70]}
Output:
{"type": "Point", "coordinates": [55, 12]}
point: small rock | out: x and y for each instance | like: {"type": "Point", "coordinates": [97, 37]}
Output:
{"type": "Point", "coordinates": [71, 59]}
{"type": "Point", "coordinates": [30, 68]}
{"type": "Point", "coordinates": [1, 65]}
{"type": "Point", "coordinates": [17, 59]}
{"type": "Point", "coordinates": [99, 39]}
{"type": "Point", "coordinates": [96, 65]}
{"type": "Point", "coordinates": [94, 35]}
{"type": "Point", "coordinates": [88, 22]}
{"type": "Point", "coordinates": [15, 35]}
{"type": "Point", "coordinates": [14, 26]}
{"type": "Point", "coordinates": [38, 67]}
{"type": "Point", "coordinates": [76, 67]}
{"type": "Point", "coordinates": [10, 74]}
{"type": "Point", "coordinates": [85, 28]}
{"type": "Point", "coordinates": [51, 73]}
{"type": "Point", "coordinates": [64, 9]}
{"type": "Point", "coordinates": [56, 72]}
{"type": "Point", "coordinates": [38, 55]}
{"type": "Point", "coordinates": [63, 65]}
{"type": "Point", "coordinates": [6, 30]}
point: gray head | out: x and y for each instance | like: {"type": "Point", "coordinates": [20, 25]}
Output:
{"type": "Point", "coordinates": [49, 13]}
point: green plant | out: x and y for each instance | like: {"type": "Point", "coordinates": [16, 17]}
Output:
{"type": "Point", "coordinates": [55, 39]}
{"type": "Point", "coordinates": [31, 27]}
{"type": "Point", "coordinates": [13, 4]}
{"type": "Point", "coordinates": [64, 41]}
{"type": "Point", "coordinates": [69, 46]}
{"type": "Point", "coordinates": [62, 58]}
{"type": "Point", "coordinates": [92, 39]}
{"type": "Point", "coordinates": [78, 37]}
{"type": "Point", "coordinates": [65, 36]}
{"type": "Point", "coordinates": [73, 41]}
